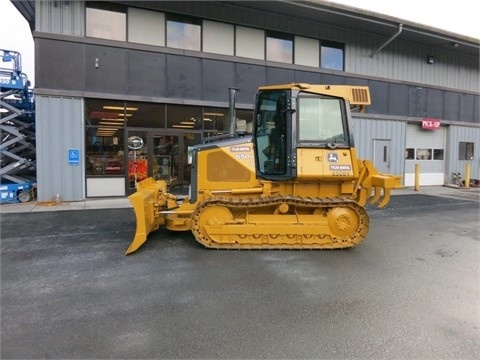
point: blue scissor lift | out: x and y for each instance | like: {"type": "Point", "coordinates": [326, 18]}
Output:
{"type": "Point", "coordinates": [17, 131]}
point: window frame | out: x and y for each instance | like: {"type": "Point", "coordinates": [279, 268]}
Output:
{"type": "Point", "coordinates": [107, 7]}
{"type": "Point", "coordinates": [466, 150]}
{"type": "Point", "coordinates": [185, 20]}
{"type": "Point", "coordinates": [332, 45]}
{"type": "Point", "coordinates": [279, 37]}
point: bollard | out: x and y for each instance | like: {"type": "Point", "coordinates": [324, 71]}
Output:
{"type": "Point", "coordinates": [467, 176]}
{"type": "Point", "coordinates": [417, 177]}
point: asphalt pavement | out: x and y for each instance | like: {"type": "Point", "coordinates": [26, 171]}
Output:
{"type": "Point", "coordinates": [123, 202]}
{"type": "Point", "coordinates": [410, 290]}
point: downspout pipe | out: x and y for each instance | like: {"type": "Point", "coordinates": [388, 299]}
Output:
{"type": "Point", "coordinates": [400, 29]}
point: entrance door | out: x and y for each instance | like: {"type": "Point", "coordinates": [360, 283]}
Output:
{"type": "Point", "coordinates": [163, 157]}
{"type": "Point", "coordinates": [170, 159]}
{"type": "Point", "coordinates": [137, 161]}
{"type": "Point", "coordinates": [165, 153]}
{"type": "Point", "coordinates": [381, 157]}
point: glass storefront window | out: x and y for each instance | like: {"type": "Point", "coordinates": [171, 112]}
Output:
{"type": "Point", "coordinates": [181, 117]}
{"type": "Point", "coordinates": [106, 113]}
{"type": "Point", "coordinates": [104, 153]}
{"type": "Point", "coordinates": [164, 154]}
{"type": "Point", "coordinates": [105, 23]}
{"type": "Point", "coordinates": [244, 120]}
{"type": "Point", "coordinates": [104, 137]}
{"type": "Point", "coordinates": [147, 115]}
{"type": "Point", "coordinates": [215, 120]}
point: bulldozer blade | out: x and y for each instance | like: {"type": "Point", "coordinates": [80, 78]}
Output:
{"type": "Point", "coordinates": [141, 228]}
{"type": "Point", "coordinates": [138, 241]}
{"type": "Point", "coordinates": [148, 219]}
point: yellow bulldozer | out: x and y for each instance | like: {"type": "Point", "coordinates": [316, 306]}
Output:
{"type": "Point", "coordinates": [294, 183]}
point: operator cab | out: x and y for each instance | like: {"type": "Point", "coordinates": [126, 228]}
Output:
{"type": "Point", "coordinates": [290, 119]}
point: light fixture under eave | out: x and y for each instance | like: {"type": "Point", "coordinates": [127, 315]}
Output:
{"type": "Point", "coordinates": [115, 120]}
{"type": "Point", "coordinates": [110, 123]}
{"type": "Point", "coordinates": [430, 60]}
{"type": "Point", "coordinates": [120, 108]}
{"type": "Point", "coordinates": [183, 126]}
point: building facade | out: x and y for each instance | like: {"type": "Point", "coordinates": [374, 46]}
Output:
{"type": "Point", "coordinates": [162, 70]}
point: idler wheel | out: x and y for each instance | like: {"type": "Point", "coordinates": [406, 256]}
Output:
{"type": "Point", "coordinates": [343, 221]}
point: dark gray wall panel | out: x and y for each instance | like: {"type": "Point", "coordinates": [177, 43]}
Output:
{"type": "Point", "coordinates": [184, 77]}
{"type": "Point", "coordinates": [417, 103]}
{"type": "Point", "coordinates": [435, 103]}
{"type": "Point", "coordinates": [379, 95]}
{"type": "Point", "coordinates": [70, 66]}
{"type": "Point", "coordinates": [476, 112]}
{"type": "Point", "coordinates": [218, 76]}
{"type": "Point", "coordinates": [307, 77]}
{"type": "Point", "coordinates": [279, 76]}
{"type": "Point", "coordinates": [356, 81]}
{"type": "Point", "coordinates": [59, 65]}
{"type": "Point", "coordinates": [467, 109]}
{"type": "Point", "coordinates": [332, 79]}
{"type": "Point", "coordinates": [247, 79]}
{"type": "Point", "coordinates": [397, 99]}
{"type": "Point", "coordinates": [111, 74]}
{"type": "Point", "coordinates": [146, 74]}
{"type": "Point", "coordinates": [451, 107]}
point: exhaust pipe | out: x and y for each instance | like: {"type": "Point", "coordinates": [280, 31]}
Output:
{"type": "Point", "coordinates": [231, 111]}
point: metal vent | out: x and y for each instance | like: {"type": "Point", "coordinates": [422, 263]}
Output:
{"type": "Point", "coordinates": [360, 95]}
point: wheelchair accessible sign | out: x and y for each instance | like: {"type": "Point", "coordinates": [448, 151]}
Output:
{"type": "Point", "coordinates": [73, 157]}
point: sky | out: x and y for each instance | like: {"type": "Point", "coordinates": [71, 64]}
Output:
{"type": "Point", "coordinates": [455, 16]}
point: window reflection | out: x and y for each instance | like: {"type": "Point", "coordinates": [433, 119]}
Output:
{"type": "Point", "coordinates": [331, 56]}
{"type": "Point", "coordinates": [279, 49]}
{"type": "Point", "coordinates": [106, 24]}
{"type": "Point", "coordinates": [183, 33]}
{"type": "Point", "coordinates": [104, 153]}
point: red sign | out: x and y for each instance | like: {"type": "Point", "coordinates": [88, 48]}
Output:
{"type": "Point", "coordinates": [430, 124]}
{"type": "Point", "coordinates": [97, 115]}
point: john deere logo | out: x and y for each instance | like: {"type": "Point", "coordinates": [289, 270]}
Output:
{"type": "Point", "coordinates": [332, 157]}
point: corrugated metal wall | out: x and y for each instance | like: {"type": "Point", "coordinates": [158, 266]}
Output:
{"type": "Point", "coordinates": [366, 130]}
{"type": "Point", "coordinates": [60, 17]}
{"type": "Point", "coordinates": [59, 128]}
{"type": "Point", "coordinates": [455, 135]}
{"type": "Point", "coordinates": [407, 62]}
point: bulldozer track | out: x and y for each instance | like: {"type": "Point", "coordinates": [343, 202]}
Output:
{"type": "Point", "coordinates": [279, 222]}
